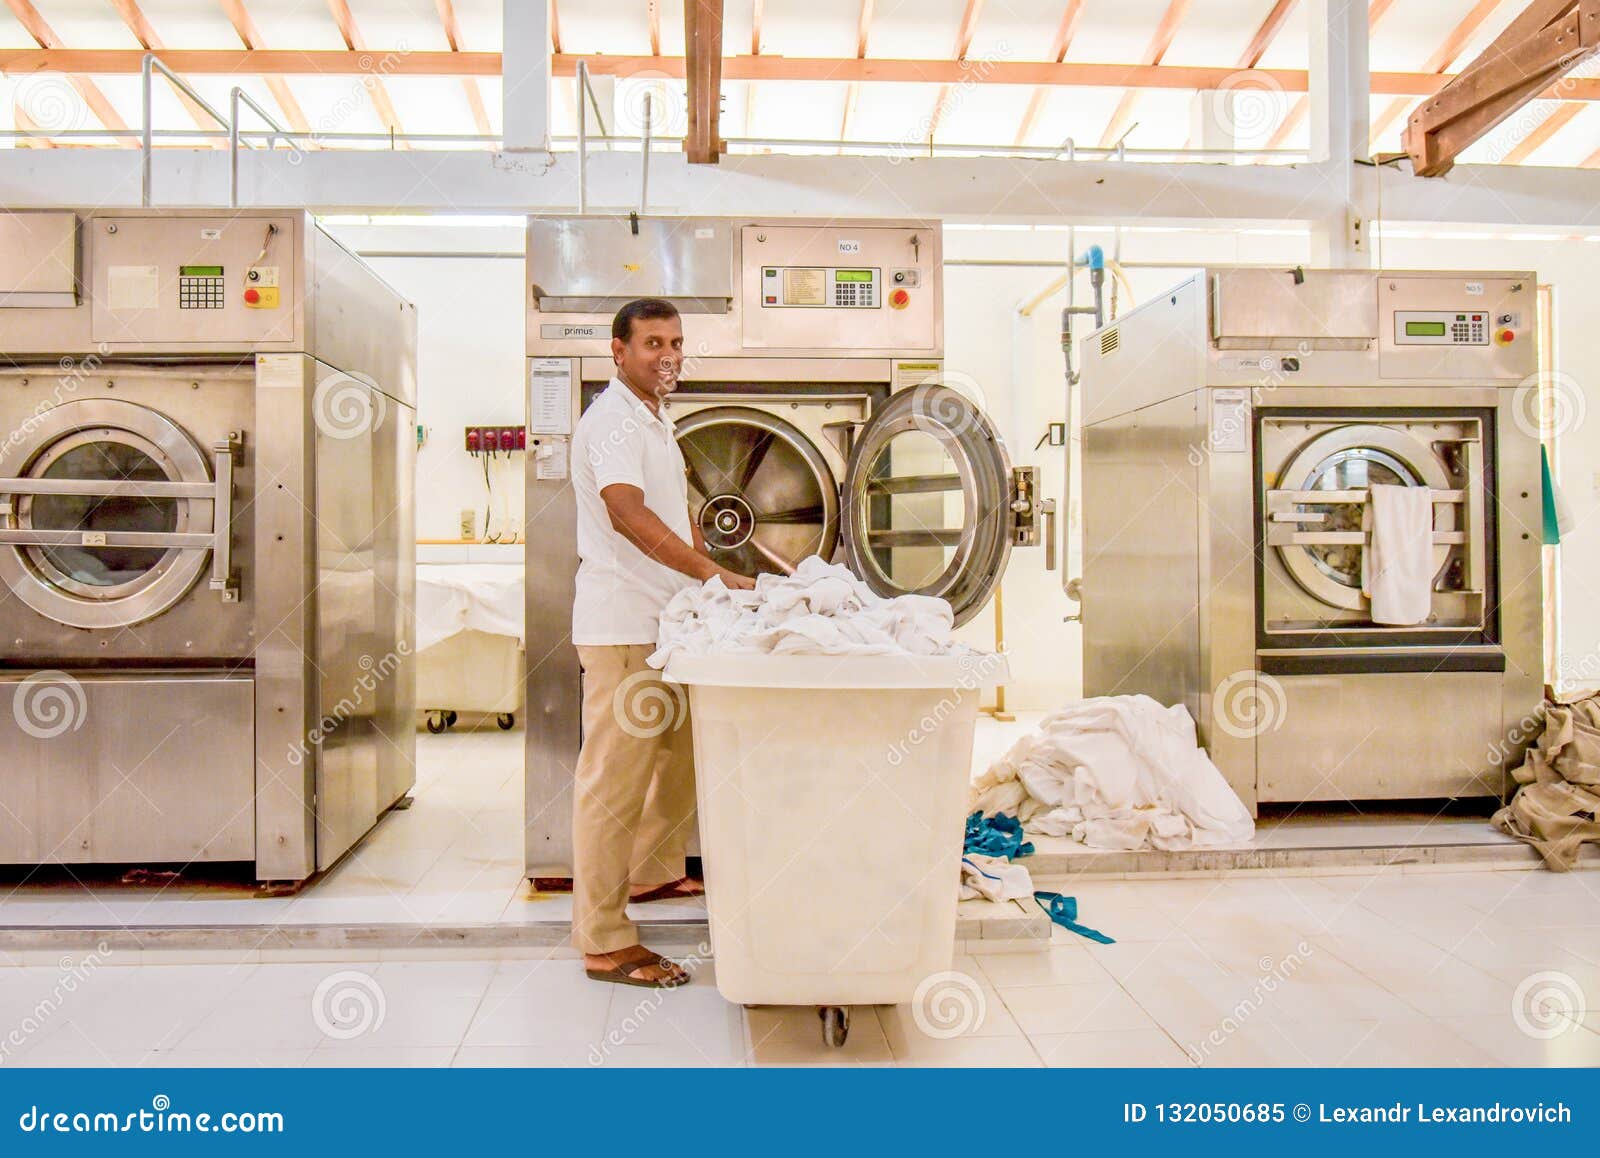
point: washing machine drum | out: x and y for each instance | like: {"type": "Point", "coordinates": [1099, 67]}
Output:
{"type": "Point", "coordinates": [763, 494]}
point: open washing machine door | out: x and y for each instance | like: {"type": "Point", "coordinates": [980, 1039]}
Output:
{"type": "Point", "coordinates": [930, 506]}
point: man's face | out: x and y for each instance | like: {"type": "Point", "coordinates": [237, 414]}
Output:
{"type": "Point", "coordinates": [652, 357]}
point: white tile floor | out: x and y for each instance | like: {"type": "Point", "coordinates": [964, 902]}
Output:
{"type": "Point", "coordinates": [1388, 969]}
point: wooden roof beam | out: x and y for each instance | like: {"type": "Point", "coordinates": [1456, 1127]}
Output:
{"type": "Point", "coordinates": [1271, 25]}
{"type": "Point", "coordinates": [93, 96]}
{"type": "Point", "coordinates": [1160, 41]}
{"type": "Point", "coordinates": [1065, 31]}
{"type": "Point", "coordinates": [1297, 111]}
{"type": "Point", "coordinates": [244, 27]}
{"type": "Point", "coordinates": [137, 24]}
{"type": "Point", "coordinates": [1443, 57]}
{"type": "Point", "coordinates": [702, 63]}
{"type": "Point", "coordinates": [964, 34]}
{"type": "Point", "coordinates": [469, 85]}
{"type": "Point", "coordinates": [355, 42]}
{"type": "Point", "coordinates": [1541, 46]}
{"type": "Point", "coordinates": [853, 89]}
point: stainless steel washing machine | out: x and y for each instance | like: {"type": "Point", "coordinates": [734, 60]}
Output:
{"type": "Point", "coordinates": [205, 540]}
{"type": "Point", "coordinates": [814, 416]}
{"type": "Point", "coordinates": [1232, 428]}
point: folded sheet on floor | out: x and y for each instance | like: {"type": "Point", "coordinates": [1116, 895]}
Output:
{"type": "Point", "coordinates": [1117, 772]}
{"type": "Point", "coordinates": [820, 609]}
{"type": "Point", "coordinates": [1557, 809]}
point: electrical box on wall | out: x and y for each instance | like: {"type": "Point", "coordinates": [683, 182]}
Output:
{"type": "Point", "coordinates": [496, 439]}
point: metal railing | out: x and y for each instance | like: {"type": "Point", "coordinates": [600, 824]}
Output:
{"type": "Point", "coordinates": [147, 69]}
{"type": "Point", "coordinates": [235, 98]}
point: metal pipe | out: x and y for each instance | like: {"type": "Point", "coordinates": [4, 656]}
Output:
{"type": "Point", "coordinates": [235, 98]}
{"type": "Point", "coordinates": [583, 140]}
{"type": "Point", "coordinates": [599, 117]}
{"type": "Point", "coordinates": [644, 157]}
{"type": "Point", "coordinates": [147, 68]}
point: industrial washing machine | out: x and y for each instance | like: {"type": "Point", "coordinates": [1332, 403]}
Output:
{"type": "Point", "coordinates": [1231, 429]}
{"type": "Point", "coordinates": [813, 414]}
{"type": "Point", "coordinates": [206, 540]}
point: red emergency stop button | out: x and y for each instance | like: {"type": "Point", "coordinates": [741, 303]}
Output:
{"type": "Point", "coordinates": [899, 299]}
{"type": "Point", "coordinates": [252, 296]}
{"type": "Point", "coordinates": [1506, 337]}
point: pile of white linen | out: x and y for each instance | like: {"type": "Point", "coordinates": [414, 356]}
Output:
{"type": "Point", "coordinates": [1117, 772]}
{"type": "Point", "coordinates": [820, 609]}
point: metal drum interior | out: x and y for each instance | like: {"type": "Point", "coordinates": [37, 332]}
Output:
{"type": "Point", "coordinates": [763, 495]}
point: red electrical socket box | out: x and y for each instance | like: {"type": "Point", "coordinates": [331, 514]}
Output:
{"type": "Point", "coordinates": [496, 439]}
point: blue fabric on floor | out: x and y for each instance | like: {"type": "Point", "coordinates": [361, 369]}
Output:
{"type": "Point", "coordinates": [997, 835]}
{"type": "Point", "coordinates": [1064, 912]}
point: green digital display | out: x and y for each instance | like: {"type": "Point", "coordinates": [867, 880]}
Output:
{"type": "Point", "coordinates": [852, 275]}
{"type": "Point", "coordinates": [1424, 329]}
{"type": "Point", "coordinates": [199, 271]}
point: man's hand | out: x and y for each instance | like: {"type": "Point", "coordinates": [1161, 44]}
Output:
{"type": "Point", "coordinates": [735, 581]}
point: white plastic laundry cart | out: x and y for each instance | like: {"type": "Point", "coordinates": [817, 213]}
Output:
{"type": "Point", "coordinates": [832, 792]}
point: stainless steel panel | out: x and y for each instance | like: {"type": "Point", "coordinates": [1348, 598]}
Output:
{"type": "Point", "coordinates": [1509, 296]}
{"type": "Point", "coordinates": [205, 403]}
{"type": "Point", "coordinates": [595, 264]}
{"type": "Point", "coordinates": [357, 322]}
{"type": "Point", "coordinates": [1520, 520]}
{"type": "Point", "coordinates": [554, 692]}
{"type": "Point", "coordinates": [1275, 309]}
{"type": "Point", "coordinates": [1150, 354]}
{"type": "Point", "coordinates": [134, 271]}
{"type": "Point", "coordinates": [110, 769]}
{"type": "Point", "coordinates": [39, 260]}
{"type": "Point", "coordinates": [1342, 737]}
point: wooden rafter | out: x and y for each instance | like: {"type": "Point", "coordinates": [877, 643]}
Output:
{"type": "Point", "coordinates": [27, 124]}
{"type": "Point", "coordinates": [355, 42]}
{"type": "Point", "coordinates": [1297, 111]}
{"type": "Point", "coordinates": [1065, 31]}
{"type": "Point", "coordinates": [244, 27]}
{"type": "Point", "coordinates": [852, 90]}
{"type": "Point", "coordinates": [1540, 134]}
{"type": "Point", "coordinates": [653, 10]}
{"type": "Point", "coordinates": [1443, 57]}
{"type": "Point", "coordinates": [1540, 47]}
{"type": "Point", "coordinates": [964, 34]}
{"type": "Point", "coordinates": [555, 26]}
{"type": "Point", "coordinates": [1160, 41]}
{"type": "Point", "coordinates": [1266, 33]}
{"type": "Point", "coordinates": [137, 24]}
{"type": "Point", "coordinates": [755, 27]}
{"type": "Point", "coordinates": [35, 26]}
{"type": "Point", "coordinates": [702, 64]}
{"type": "Point", "coordinates": [469, 85]}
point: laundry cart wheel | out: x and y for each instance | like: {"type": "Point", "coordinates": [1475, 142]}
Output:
{"type": "Point", "coordinates": [450, 719]}
{"type": "Point", "coordinates": [506, 720]}
{"type": "Point", "coordinates": [835, 1025]}
{"type": "Point", "coordinates": [437, 722]}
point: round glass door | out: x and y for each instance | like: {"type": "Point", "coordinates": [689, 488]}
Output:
{"type": "Point", "coordinates": [97, 559]}
{"type": "Point", "coordinates": [926, 507]}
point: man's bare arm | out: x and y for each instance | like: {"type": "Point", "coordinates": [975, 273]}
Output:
{"type": "Point", "coordinates": [642, 527]}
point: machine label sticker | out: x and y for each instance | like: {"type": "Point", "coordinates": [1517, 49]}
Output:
{"type": "Point", "coordinates": [94, 538]}
{"type": "Point", "coordinates": [1230, 421]}
{"type": "Point", "coordinates": [278, 370]}
{"type": "Point", "coordinates": [1475, 289]}
{"type": "Point", "coordinates": [913, 374]}
{"type": "Point", "coordinates": [211, 234]}
{"type": "Point", "coordinates": [704, 234]}
{"type": "Point", "coordinates": [562, 330]}
{"type": "Point", "coordinates": [133, 287]}
{"type": "Point", "coordinates": [550, 398]}
{"type": "Point", "coordinates": [550, 460]}
{"type": "Point", "coordinates": [849, 248]}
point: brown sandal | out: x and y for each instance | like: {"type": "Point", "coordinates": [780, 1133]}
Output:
{"type": "Point", "coordinates": [621, 973]}
{"type": "Point", "coordinates": [671, 891]}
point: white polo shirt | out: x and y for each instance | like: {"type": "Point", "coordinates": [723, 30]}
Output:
{"type": "Point", "coordinates": [621, 591]}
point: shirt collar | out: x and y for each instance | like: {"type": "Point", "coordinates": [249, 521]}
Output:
{"type": "Point", "coordinates": [629, 399]}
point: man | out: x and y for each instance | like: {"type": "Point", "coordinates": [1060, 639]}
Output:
{"type": "Point", "coordinates": [633, 795]}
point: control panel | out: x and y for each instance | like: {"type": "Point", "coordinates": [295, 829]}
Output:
{"type": "Point", "coordinates": [787, 286]}
{"type": "Point", "coordinates": [200, 287]}
{"type": "Point", "coordinates": [1441, 327]}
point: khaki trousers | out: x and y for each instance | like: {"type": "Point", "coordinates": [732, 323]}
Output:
{"type": "Point", "coordinates": [633, 794]}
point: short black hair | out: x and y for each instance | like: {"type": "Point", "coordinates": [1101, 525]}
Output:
{"type": "Point", "coordinates": [641, 309]}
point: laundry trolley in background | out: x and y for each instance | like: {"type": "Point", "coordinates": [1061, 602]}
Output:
{"type": "Point", "coordinates": [831, 793]}
{"type": "Point", "coordinates": [469, 633]}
